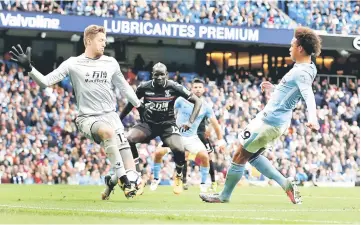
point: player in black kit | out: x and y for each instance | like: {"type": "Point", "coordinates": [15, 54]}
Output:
{"type": "Point", "coordinates": [157, 117]}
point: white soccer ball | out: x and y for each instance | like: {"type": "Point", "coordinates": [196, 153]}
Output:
{"type": "Point", "coordinates": [134, 178]}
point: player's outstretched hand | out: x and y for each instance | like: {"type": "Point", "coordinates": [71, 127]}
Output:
{"type": "Point", "coordinates": [185, 127]}
{"type": "Point", "coordinates": [21, 58]}
{"type": "Point", "coordinates": [313, 126]}
{"type": "Point", "coordinates": [266, 85]}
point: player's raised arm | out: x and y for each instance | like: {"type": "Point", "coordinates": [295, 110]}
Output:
{"type": "Point", "coordinates": [197, 107]}
{"type": "Point", "coordinates": [304, 83]}
{"type": "Point", "coordinates": [24, 60]}
{"type": "Point", "coordinates": [217, 128]}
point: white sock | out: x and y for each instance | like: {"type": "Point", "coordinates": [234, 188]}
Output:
{"type": "Point", "coordinates": [114, 156]}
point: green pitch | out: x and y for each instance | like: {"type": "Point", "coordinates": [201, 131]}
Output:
{"type": "Point", "coordinates": [82, 204]}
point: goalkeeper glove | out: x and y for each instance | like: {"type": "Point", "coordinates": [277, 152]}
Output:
{"type": "Point", "coordinates": [21, 58]}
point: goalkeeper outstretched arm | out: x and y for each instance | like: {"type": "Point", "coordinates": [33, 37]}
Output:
{"type": "Point", "coordinates": [24, 60]}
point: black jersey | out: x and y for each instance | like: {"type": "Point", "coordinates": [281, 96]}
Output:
{"type": "Point", "coordinates": [160, 100]}
{"type": "Point", "coordinates": [202, 126]}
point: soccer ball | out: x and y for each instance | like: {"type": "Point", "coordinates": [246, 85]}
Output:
{"type": "Point", "coordinates": [134, 178]}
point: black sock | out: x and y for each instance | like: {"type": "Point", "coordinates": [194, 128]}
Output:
{"type": "Point", "coordinates": [134, 149]}
{"type": "Point", "coordinates": [185, 167]}
{"type": "Point", "coordinates": [136, 161]}
{"type": "Point", "coordinates": [211, 171]}
{"type": "Point", "coordinates": [124, 180]}
{"type": "Point", "coordinates": [179, 169]}
{"type": "Point", "coordinates": [137, 168]}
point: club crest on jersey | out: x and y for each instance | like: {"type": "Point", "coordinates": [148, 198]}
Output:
{"type": "Point", "coordinates": [167, 94]}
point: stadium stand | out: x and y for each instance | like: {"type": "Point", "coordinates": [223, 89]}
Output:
{"type": "Point", "coordinates": [40, 143]}
{"type": "Point", "coordinates": [251, 14]}
{"type": "Point", "coordinates": [337, 17]}
{"type": "Point", "coordinates": [340, 16]}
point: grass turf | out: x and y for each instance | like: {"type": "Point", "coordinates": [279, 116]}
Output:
{"type": "Point", "coordinates": [82, 204]}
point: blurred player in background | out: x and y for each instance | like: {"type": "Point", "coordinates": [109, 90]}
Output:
{"type": "Point", "coordinates": [275, 118]}
{"type": "Point", "coordinates": [93, 76]}
{"type": "Point", "coordinates": [158, 118]}
{"type": "Point", "coordinates": [194, 139]}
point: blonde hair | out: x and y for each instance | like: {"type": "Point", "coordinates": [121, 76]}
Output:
{"type": "Point", "coordinates": [91, 31]}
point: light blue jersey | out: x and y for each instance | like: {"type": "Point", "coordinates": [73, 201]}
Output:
{"type": "Point", "coordinates": [296, 84]}
{"type": "Point", "coordinates": [184, 110]}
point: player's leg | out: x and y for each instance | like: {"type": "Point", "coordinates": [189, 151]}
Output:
{"type": "Point", "coordinates": [159, 154]}
{"type": "Point", "coordinates": [211, 172]}
{"type": "Point", "coordinates": [194, 145]}
{"type": "Point", "coordinates": [210, 150]}
{"type": "Point", "coordinates": [124, 150]}
{"type": "Point", "coordinates": [140, 133]}
{"type": "Point", "coordinates": [172, 138]}
{"type": "Point", "coordinates": [255, 136]}
{"type": "Point", "coordinates": [107, 135]}
{"type": "Point", "coordinates": [204, 169]}
{"type": "Point", "coordinates": [264, 166]}
{"type": "Point", "coordinates": [185, 171]}
{"type": "Point", "coordinates": [97, 129]}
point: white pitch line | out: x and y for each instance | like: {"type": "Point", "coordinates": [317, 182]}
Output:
{"type": "Point", "coordinates": [303, 196]}
{"type": "Point", "coordinates": [187, 210]}
{"type": "Point", "coordinates": [161, 212]}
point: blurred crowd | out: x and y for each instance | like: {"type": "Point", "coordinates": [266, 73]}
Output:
{"type": "Point", "coordinates": [40, 144]}
{"type": "Point", "coordinates": [336, 16]}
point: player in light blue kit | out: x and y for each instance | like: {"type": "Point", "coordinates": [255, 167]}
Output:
{"type": "Point", "coordinates": [190, 139]}
{"type": "Point", "coordinates": [275, 118]}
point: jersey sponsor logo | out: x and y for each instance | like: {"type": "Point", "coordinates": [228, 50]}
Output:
{"type": "Point", "coordinates": [96, 77]}
{"type": "Point", "coordinates": [157, 106]}
{"type": "Point", "coordinates": [149, 93]}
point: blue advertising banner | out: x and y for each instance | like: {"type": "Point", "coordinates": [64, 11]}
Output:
{"type": "Point", "coordinates": [150, 28]}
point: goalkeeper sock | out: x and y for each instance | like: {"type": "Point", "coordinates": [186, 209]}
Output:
{"type": "Point", "coordinates": [234, 175]}
{"type": "Point", "coordinates": [204, 172]}
{"type": "Point", "coordinates": [264, 166]}
{"type": "Point", "coordinates": [111, 148]}
{"type": "Point", "coordinates": [156, 170]}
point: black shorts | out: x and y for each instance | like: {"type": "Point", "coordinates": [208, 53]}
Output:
{"type": "Point", "coordinates": [207, 143]}
{"type": "Point", "coordinates": [154, 130]}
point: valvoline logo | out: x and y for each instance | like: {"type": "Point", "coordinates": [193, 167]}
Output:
{"type": "Point", "coordinates": [38, 21]}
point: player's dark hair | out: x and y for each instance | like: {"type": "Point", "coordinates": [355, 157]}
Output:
{"type": "Point", "coordinates": [308, 40]}
{"type": "Point", "coordinates": [198, 81]}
